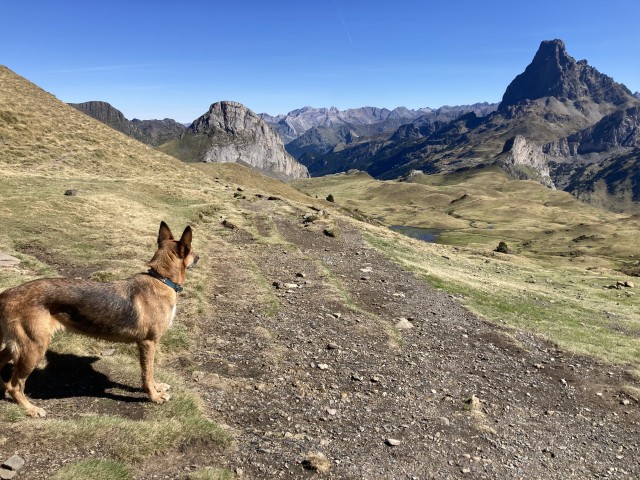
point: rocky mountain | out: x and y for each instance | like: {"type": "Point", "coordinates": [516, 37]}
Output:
{"type": "Point", "coordinates": [525, 160]}
{"type": "Point", "coordinates": [230, 132]}
{"type": "Point", "coordinates": [364, 121]}
{"type": "Point", "coordinates": [297, 122]}
{"type": "Point", "coordinates": [618, 130]}
{"type": "Point", "coordinates": [553, 73]}
{"type": "Point", "coordinates": [560, 122]}
{"type": "Point", "coordinates": [151, 132]}
{"type": "Point", "coordinates": [601, 164]}
{"type": "Point", "coordinates": [322, 139]}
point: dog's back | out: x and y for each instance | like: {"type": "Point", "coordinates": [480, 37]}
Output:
{"type": "Point", "coordinates": [102, 310]}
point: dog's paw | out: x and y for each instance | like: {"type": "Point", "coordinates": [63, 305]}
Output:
{"type": "Point", "coordinates": [161, 398]}
{"type": "Point", "coordinates": [162, 387]}
{"type": "Point", "coordinates": [36, 412]}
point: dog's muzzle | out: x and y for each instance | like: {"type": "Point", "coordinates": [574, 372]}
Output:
{"type": "Point", "coordinates": [196, 259]}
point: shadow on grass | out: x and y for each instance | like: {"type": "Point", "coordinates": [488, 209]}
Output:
{"type": "Point", "coordinates": [67, 376]}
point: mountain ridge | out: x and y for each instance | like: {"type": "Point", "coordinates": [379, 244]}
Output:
{"type": "Point", "coordinates": [151, 132]}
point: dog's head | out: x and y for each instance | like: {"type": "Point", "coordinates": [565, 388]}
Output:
{"type": "Point", "coordinates": [181, 248]}
{"type": "Point", "coordinates": [173, 256]}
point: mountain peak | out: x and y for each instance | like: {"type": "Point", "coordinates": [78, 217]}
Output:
{"type": "Point", "coordinates": [230, 132]}
{"type": "Point", "coordinates": [554, 73]}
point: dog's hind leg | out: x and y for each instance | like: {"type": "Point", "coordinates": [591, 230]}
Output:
{"type": "Point", "coordinates": [5, 356]}
{"type": "Point", "coordinates": [28, 358]}
{"type": "Point", "coordinates": [157, 392]}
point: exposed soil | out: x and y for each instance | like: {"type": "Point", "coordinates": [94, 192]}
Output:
{"type": "Point", "coordinates": [321, 367]}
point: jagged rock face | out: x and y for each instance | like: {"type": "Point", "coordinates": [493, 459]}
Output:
{"type": "Point", "coordinates": [600, 164]}
{"type": "Point", "coordinates": [151, 132]}
{"type": "Point", "coordinates": [525, 160]}
{"type": "Point", "coordinates": [613, 184]}
{"type": "Point", "coordinates": [230, 132]}
{"type": "Point", "coordinates": [620, 129]}
{"type": "Point", "coordinates": [554, 73]}
{"type": "Point", "coordinates": [157, 132]}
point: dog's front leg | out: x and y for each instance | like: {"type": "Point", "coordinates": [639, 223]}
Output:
{"type": "Point", "coordinates": [157, 393]}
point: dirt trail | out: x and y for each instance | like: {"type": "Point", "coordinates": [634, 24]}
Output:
{"type": "Point", "coordinates": [321, 367]}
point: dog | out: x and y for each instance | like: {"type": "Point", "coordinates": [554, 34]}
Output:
{"type": "Point", "coordinates": [136, 310]}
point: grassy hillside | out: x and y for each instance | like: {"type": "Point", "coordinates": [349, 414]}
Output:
{"type": "Point", "coordinates": [106, 231]}
{"type": "Point", "coordinates": [481, 208]}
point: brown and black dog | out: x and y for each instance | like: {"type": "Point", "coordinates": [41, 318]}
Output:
{"type": "Point", "coordinates": [136, 310]}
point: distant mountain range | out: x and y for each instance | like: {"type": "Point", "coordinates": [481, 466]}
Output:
{"type": "Point", "coordinates": [560, 122]}
{"type": "Point", "coordinates": [312, 132]}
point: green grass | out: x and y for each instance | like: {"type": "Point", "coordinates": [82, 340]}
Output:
{"type": "Point", "coordinates": [176, 339]}
{"type": "Point", "coordinates": [209, 473]}
{"type": "Point", "coordinates": [92, 470]}
{"type": "Point", "coordinates": [176, 422]}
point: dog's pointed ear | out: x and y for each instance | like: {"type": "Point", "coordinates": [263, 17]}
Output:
{"type": "Point", "coordinates": [184, 245]}
{"type": "Point", "coordinates": [164, 233]}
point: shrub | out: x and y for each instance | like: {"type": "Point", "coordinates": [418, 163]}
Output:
{"type": "Point", "coordinates": [503, 248]}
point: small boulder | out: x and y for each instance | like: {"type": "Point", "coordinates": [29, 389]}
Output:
{"type": "Point", "coordinates": [317, 462]}
{"type": "Point", "coordinates": [14, 463]}
{"type": "Point", "coordinates": [404, 324]}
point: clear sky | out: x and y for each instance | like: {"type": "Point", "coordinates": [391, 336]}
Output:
{"type": "Point", "coordinates": [158, 59]}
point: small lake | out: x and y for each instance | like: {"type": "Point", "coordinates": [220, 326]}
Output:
{"type": "Point", "coordinates": [429, 235]}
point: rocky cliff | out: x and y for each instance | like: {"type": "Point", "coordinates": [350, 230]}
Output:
{"type": "Point", "coordinates": [230, 132]}
{"type": "Point", "coordinates": [525, 160]}
{"type": "Point", "coordinates": [151, 132]}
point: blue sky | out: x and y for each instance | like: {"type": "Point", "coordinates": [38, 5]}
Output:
{"type": "Point", "coordinates": [157, 59]}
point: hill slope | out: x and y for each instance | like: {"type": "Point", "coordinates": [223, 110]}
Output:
{"type": "Point", "coordinates": [298, 341]}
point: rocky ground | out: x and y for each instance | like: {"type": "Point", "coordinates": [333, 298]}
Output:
{"type": "Point", "coordinates": [363, 371]}
{"type": "Point", "coordinates": [325, 359]}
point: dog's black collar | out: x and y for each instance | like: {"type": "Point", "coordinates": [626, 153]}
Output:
{"type": "Point", "coordinates": [165, 280]}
